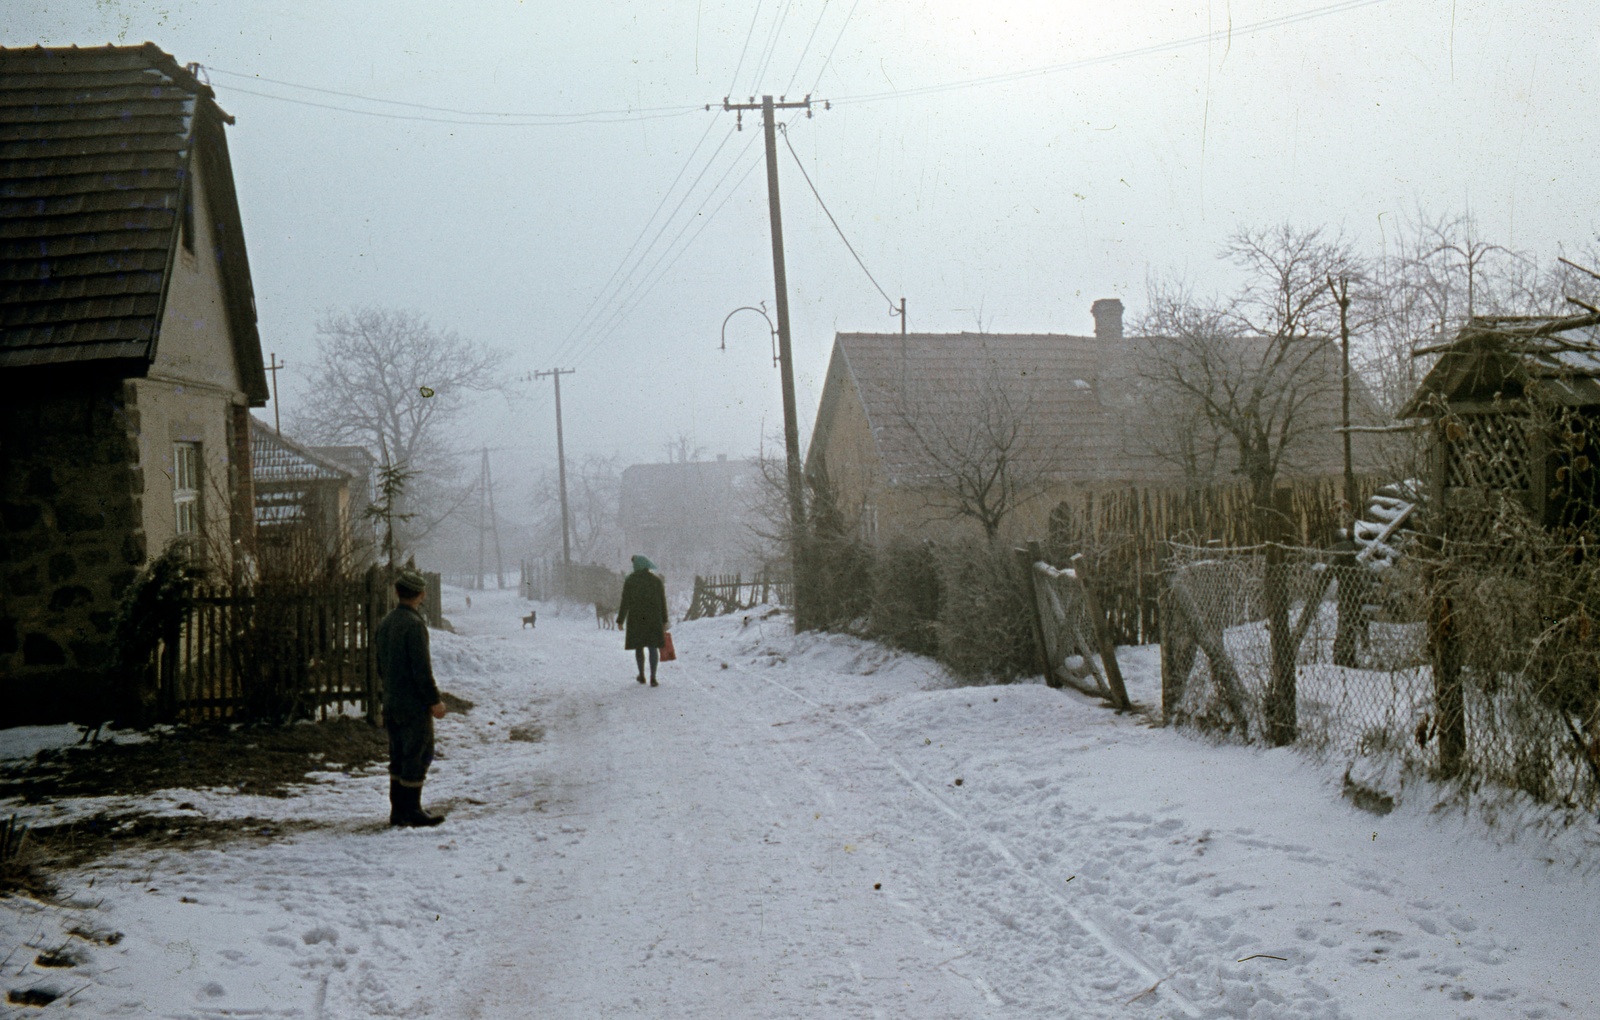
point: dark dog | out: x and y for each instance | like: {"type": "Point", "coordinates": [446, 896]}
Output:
{"type": "Point", "coordinates": [532, 619]}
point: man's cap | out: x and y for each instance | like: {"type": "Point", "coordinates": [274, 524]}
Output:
{"type": "Point", "coordinates": [409, 583]}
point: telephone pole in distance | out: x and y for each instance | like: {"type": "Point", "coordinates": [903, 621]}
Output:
{"type": "Point", "coordinates": [561, 463]}
{"type": "Point", "coordinates": [791, 425]}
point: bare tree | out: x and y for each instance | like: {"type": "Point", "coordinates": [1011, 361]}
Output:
{"type": "Point", "coordinates": [972, 448]}
{"type": "Point", "coordinates": [1257, 367]}
{"type": "Point", "coordinates": [594, 497]}
{"type": "Point", "coordinates": [390, 381]}
{"type": "Point", "coordinates": [682, 450]}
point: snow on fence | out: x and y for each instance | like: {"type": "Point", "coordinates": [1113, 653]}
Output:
{"type": "Point", "coordinates": [1319, 650]}
{"type": "Point", "coordinates": [721, 594]}
{"type": "Point", "coordinates": [1071, 631]}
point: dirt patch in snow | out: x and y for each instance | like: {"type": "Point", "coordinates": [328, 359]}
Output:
{"type": "Point", "coordinates": [252, 760]}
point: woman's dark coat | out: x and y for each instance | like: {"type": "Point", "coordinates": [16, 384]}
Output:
{"type": "Point", "coordinates": [643, 610]}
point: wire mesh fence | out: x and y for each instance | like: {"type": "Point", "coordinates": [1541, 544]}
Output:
{"type": "Point", "coordinates": [1465, 667]}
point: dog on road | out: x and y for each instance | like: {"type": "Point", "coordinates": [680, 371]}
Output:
{"type": "Point", "coordinates": [532, 619]}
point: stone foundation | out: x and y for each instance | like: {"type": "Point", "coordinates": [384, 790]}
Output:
{"type": "Point", "coordinates": [71, 538]}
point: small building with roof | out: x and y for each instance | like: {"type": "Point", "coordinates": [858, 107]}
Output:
{"type": "Point", "coordinates": [307, 503]}
{"type": "Point", "coordinates": [1514, 407]}
{"type": "Point", "coordinates": [129, 353]}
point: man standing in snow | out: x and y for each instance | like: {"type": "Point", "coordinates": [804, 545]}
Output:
{"type": "Point", "coordinates": [411, 700]}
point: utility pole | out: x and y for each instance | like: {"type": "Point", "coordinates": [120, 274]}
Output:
{"type": "Point", "coordinates": [561, 463]}
{"type": "Point", "coordinates": [272, 365]}
{"type": "Point", "coordinates": [488, 525]}
{"type": "Point", "coordinates": [1341, 294]}
{"type": "Point", "coordinates": [494, 525]}
{"type": "Point", "coordinates": [791, 425]}
{"type": "Point", "coordinates": [902, 316]}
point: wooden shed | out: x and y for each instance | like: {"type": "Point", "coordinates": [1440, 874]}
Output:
{"type": "Point", "coordinates": [1515, 411]}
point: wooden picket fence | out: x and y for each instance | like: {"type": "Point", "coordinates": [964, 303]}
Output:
{"type": "Point", "coordinates": [274, 656]}
{"type": "Point", "coordinates": [721, 594]}
{"type": "Point", "coordinates": [1122, 535]}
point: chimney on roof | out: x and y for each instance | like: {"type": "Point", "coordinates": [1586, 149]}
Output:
{"type": "Point", "coordinates": [1107, 314]}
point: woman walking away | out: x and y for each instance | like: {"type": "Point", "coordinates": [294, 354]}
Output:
{"type": "Point", "coordinates": [643, 610]}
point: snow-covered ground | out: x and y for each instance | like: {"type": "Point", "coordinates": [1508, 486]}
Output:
{"type": "Point", "coordinates": [815, 827]}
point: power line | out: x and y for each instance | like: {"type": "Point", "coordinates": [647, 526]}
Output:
{"type": "Point", "coordinates": [772, 47]}
{"type": "Point", "coordinates": [441, 109]}
{"type": "Point", "coordinates": [576, 119]}
{"type": "Point", "coordinates": [1141, 51]}
{"type": "Point", "coordinates": [835, 47]}
{"type": "Point", "coordinates": [749, 32]}
{"type": "Point", "coordinates": [580, 331]}
{"type": "Point", "coordinates": [807, 51]}
{"type": "Point", "coordinates": [667, 259]}
{"type": "Point", "coordinates": [790, 146]}
{"type": "Point", "coordinates": [665, 195]}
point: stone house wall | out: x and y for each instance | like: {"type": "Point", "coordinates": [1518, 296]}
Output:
{"type": "Point", "coordinates": [71, 536]}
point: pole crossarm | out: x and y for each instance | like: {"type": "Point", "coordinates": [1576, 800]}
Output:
{"type": "Point", "coordinates": [767, 103]}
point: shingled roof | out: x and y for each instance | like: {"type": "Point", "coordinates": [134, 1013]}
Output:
{"type": "Point", "coordinates": [97, 149]}
{"type": "Point", "coordinates": [1071, 395]}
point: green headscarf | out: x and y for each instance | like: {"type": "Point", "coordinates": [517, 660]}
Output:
{"type": "Point", "coordinates": [642, 563]}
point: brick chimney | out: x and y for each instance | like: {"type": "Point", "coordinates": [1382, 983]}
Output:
{"type": "Point", "coordinates": [1107, 314]}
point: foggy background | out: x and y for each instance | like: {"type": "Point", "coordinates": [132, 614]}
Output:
{"type": "Point", "coordinates": [555, 187]}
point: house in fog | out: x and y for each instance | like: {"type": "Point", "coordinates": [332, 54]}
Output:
{"type": "Point", "coordinates": [693, 517]}
{"type": "Point", "coordinates": [129, 356]}
{"type": "Point", "coordinates": [910, 426]}
{"type": "Point", "coordinates": [308, 505]}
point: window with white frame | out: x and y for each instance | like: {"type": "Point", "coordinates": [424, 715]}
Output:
{"type": "Point", "coordinates": [186, 487]}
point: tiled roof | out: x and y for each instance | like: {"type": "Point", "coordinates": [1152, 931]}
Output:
{"type": "Point", "coordinates": [276, 459]}
{"type": "Point", "coordinates": [1561, 354]}
{"type": "Point", "coordinates": [96, 147]}
{"type": "Point", "coordinates": [1068, 394]}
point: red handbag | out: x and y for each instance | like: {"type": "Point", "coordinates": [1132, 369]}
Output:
{"type": "Point", "coordinates": [668, 653]}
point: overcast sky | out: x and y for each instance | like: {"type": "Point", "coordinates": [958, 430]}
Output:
{"type": "Point", "coordinates": [613, 225]}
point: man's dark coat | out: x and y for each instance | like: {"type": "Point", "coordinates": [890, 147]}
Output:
{"type": "Point", "coordinates": [405, 667]}
{"type": "Point", "coordinates": [643, 610]}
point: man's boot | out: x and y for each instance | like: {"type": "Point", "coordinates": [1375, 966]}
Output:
{"type": "Point", "coordinates": [397, 803]}
{"type": "Point", "coordinates": [415, 816]}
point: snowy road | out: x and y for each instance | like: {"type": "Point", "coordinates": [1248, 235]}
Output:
{"type": "Point", "coordinates": [813, 827]}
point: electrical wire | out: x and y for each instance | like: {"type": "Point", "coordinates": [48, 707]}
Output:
{"type": "Point", "coordinates": [665, 195]}
{"type": "Point", "coordinates": [576, 119]}
{"type": "Point", "coordinates": [892, 306]}
{"type": "Point", "coordinates": [749, 32]}
{"type": "Point", "coordinates": [1141, 51]}
{"type": "Point", "coordinates": [441, 109]}
{"type": "Point", "coordinates": [668, 256]}
{"type": "Point", "coordinates": [633, 279]}
{"type": "Point", "coordinates": [771, 47]}
{"type": "Point", "coordinates": [835, 47]}
{"type": "Point", "coordinates": [789, 88]}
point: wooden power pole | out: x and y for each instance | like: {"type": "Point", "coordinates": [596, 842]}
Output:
{"type": "Point", "coordinates": [561, 462]}
{"type": "Point", "coordinates": [791, 424]}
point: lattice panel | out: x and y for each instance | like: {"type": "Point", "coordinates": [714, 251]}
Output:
{"type": "Point", "coordinates": [1487, 451]}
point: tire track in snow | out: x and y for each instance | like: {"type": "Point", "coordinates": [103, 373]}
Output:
{"type": "Point", "coordinates": [1082, 918]}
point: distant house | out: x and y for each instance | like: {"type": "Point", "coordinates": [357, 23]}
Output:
{"type": "Point", "coordinates": [129, 356]}
{"type": "Point", "coordinates": [900, 413]}
{"type": "Point", "coordinates": [694, 517]}
{"type": "Point", "coordinates": [308, 505]}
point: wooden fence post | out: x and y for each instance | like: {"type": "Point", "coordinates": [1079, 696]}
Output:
{"type": "Point", "coordinates": [1026, 558]}
{"type": "Point", "coordinates": [1448, 704]}
{"type": "Point", "coordinates": [1102, 634]}
{"type": "Point", "coordinates": [1281, 708]}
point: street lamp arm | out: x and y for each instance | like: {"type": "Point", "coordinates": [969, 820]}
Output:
{"type": "Point", "coordinates": [761, 311]}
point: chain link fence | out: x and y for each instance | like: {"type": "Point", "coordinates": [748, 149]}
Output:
{"type": "Point", "coordinates": [1462, 667]}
